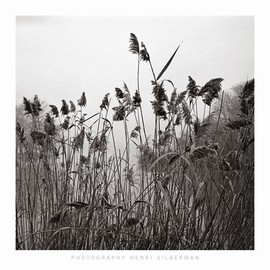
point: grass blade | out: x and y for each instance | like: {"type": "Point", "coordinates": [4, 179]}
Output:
{"type": "Point", "coordinates": [168, 63]}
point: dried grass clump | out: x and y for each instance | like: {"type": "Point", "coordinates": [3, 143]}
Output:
{"type": "Point", "coordinates": [187, 184]}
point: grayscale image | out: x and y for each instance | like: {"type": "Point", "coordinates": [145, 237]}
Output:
{"type": "Point", "coordinates": [135, 133]}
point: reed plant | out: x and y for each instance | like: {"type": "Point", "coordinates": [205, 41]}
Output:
{"type": "Point", "coordinates": [192, 187]}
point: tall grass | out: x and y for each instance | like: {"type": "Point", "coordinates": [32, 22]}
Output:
{"type": "Point", "coordinates": [192, 186]}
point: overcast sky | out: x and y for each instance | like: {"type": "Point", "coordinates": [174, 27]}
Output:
{"type": "Point", "coordinates": [60, 57]}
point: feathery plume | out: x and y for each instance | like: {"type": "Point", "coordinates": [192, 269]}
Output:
{"type": "Point", "coordinates": [82, 101]}
{"type": "Point", "coordinates": [64, 109]}
{"type": "Point", "coordinates": [134, 44]}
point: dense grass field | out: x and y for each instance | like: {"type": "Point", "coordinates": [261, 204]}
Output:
{"type": "Point", "coordinates": [192, 187]}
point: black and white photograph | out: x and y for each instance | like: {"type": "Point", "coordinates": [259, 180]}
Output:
{"type": "Point", "coordinates": [139, 140]}
{"type": "Point", "coordinates": [134, 134]}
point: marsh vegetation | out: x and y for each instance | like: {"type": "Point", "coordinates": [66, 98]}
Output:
{"type": "Point", "coordinates": [192, 186]}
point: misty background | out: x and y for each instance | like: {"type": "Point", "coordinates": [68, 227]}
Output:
{"type": "Point", "coordinates": [60, 57]}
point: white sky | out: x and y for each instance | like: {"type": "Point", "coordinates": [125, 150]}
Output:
{"type": "Point", "coordinates": [59, 57]}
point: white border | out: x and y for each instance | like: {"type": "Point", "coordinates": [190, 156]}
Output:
{"type": "Point", "coordinates": [62, 260]}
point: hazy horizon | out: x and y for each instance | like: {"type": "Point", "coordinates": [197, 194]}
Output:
{"type": "Point", "coordinates": [60, 57]}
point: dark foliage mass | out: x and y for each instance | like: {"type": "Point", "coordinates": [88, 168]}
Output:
{"type": "Point", "coordinates": [192, 187]}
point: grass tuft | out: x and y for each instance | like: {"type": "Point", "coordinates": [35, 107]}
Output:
{"type": "Point", "coordinates": [186, 185]}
